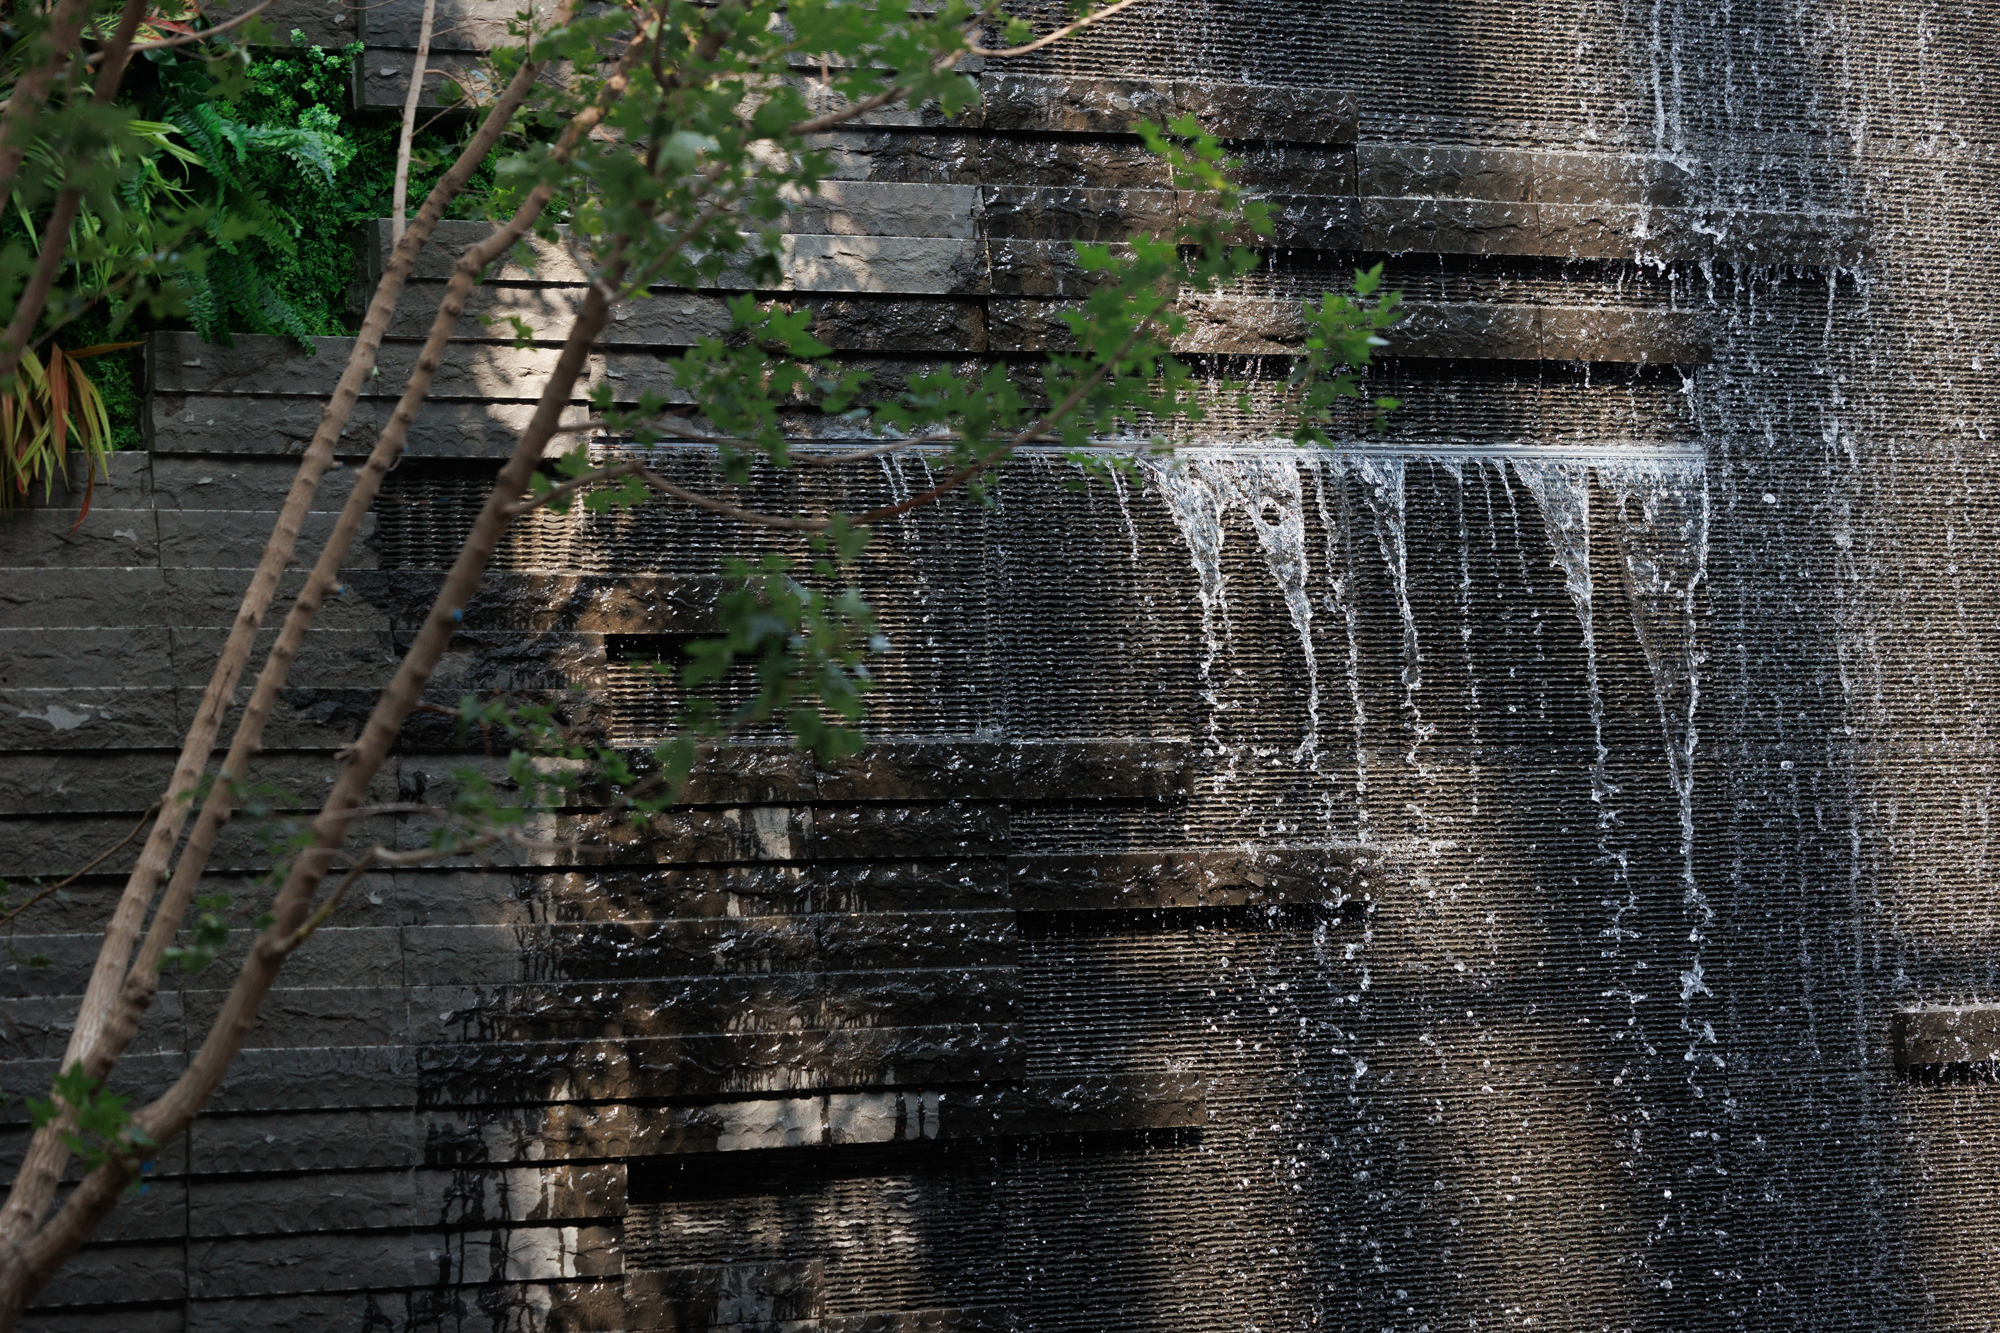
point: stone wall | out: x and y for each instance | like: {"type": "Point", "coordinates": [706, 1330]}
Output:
{"type": "Point", "coordinates": [1472, 880]}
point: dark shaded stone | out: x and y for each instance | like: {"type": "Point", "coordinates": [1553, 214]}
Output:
{"type": "Point", "coordinates": [1943, 1035]}
{"type": "Point", "coordinates": [720, 1296]}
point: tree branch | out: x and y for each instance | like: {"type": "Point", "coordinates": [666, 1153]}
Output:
{"type": "Point", "coordinates": [31, 90]}
{"type": "Point", "coordinates": [401, 190]}
{"type": "Point", "coordinates": [142, 982]}
{"type": "Point", "coordinates": [1056, 36]}
{"type": "Point", "coordinates": [99, 860]}
{"type": "Point", "coordinates": [34, 1184]}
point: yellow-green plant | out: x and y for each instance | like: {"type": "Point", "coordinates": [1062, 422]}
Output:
{"type": "Point", "coordinates": [53, 408]}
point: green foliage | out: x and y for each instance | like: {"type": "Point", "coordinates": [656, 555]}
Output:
{"type": "Point", "coordinates": [210, 934]}
{"type": "Point", "coordinates": [321, 169]}
{"type": "Point", "coordinates": [803, 635]}
{"type": "Point", "coordinates": [103, 1121]}
{"type": "Point", "coordinates": [252, 240]}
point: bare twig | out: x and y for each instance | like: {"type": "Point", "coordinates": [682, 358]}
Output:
{"type": "Point", "coordinates": [401, 191]}
{"type": "Point", "coordinates": [1056, 36]}
{"type": "Point", "coordinates": [100, 859]}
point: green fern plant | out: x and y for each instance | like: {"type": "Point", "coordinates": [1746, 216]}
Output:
{"type": "Point", "coordinates": [230, 286]}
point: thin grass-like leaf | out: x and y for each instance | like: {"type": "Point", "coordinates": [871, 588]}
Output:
{"type": "Point", "coordinates": [59, 402]}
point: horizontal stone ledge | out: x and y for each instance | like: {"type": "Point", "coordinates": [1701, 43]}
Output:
{"type": "Point", "coordinates": [1242, 325]}
{"type": "Point", "coordinates": [1132, 770]}
{"type": "Point", "coordinates": [1328, 875]}
{"type": "Point", "coordinates": [1008, 102]}
{"type": "Point", "coordinates": [863, 322]}
{"type": "Point", "coordinates": [1942, 1036]}
{"type": "Point", "coordinates": [268, 427]}
{"type": "Point", "coordinates": [323, 23]}
{"type": "Point", "coordinates": [830, 1120]}
{"type": "Point", "coordinates": [945, 257]}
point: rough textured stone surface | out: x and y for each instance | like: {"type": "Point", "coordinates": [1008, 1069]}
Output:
{"type": "Point", "coordinates": [1327, 927]}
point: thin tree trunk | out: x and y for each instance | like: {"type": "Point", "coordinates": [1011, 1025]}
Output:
{"type": "Point", "coordinates": [35, 1183]}
{"type": "Point", "coordinates": [401, 191]}
{"type": "Point", "coordinates": [36, 1257]}
{"type": "Point", "coordinates": [142, 982]}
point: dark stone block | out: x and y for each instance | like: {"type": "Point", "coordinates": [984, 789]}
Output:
{"type": "Point", "coordinates": [899, 326]}
{"type": "Point", "coordinates": [765, 1063]}
{"type": "Point", "coordinates": [223, 1144]}
{"type": "Point", "coordinates": [1313, 222]}
{"type": "Point", "coordinates": [1066, 164]}
{"type": "Point", "coordinates": [478, 1074]}
{"type": "Point", "coordinates": [722, 1296]}
{"type": "Point", "coordinates": [1040, 268]}
{"type": "Point", "coordinates": [280, 1265]}
{"type": "Point", "coordinates": [1449, 227]}
{"type": "Point", "coordinates": [320, 1078]}
{"type": "Point", "coordinates": [472, 1196]}
{"type": "Point", "coordinates": [878, 886]}
{"type": "Point", "coordinates": [1076, 106]}
{"type": "Point", "coordinates": [150, 1271]}
{"type": "Point", "coordinates": [1944, 1035]}
{"type": "Point", "coordinates": [1141, 880]}
{"type": "Point", "coordinates": [1467, 331]}
{"type": "Point", "coordinates": [1636, 337]}
{"type": "Point", "coordinates": [301, 1205]}
{"type": "Point", "coordinates": [1446, 172]}
{"type": "Point", "coordinates": [680, 891]}
{"type": "Point", "coordinates": [955, 829]}
{"type": "Point", "coordinates": [988, 1319]}
{"type": "Point", "coordinates": [559, 1131]}
{"type": "Point", "coordinates": [1017, 212]}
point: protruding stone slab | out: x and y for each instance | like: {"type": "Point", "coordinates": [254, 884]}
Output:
{"type": "Point", "coordinates": [1937, 1036]}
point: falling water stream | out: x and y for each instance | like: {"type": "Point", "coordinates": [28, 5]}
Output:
{"type": "Point", "coordinates": [1660, 522]}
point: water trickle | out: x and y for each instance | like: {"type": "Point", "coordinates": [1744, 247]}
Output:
{"type": "Point", "coordinates": [1328, 473]}
{"type": "Point", "coordinates": [1197, 508]}
{"type": "Point", "coordinates": [1562, 493]}
{"type": "Point", "coordinates": [1200, 491]}
{"type": "Point", "coordinates": [1382, 482]}
{"type": "Point", "coordinates": [1125, 511]}
{"type": "Point", "coordinates": [1662, 508]}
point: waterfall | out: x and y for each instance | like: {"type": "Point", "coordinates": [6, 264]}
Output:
{"type": "Point", "coordinates": [1661, 534]}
